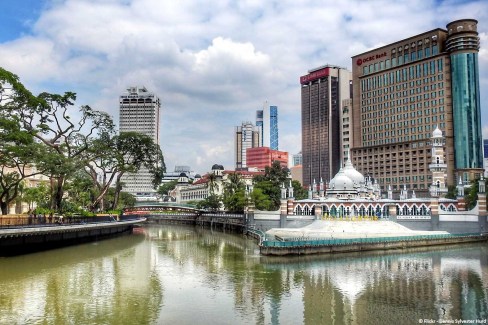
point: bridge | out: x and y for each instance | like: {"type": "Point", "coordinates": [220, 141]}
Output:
{"type": "Point", "coordinates": [182, 213]}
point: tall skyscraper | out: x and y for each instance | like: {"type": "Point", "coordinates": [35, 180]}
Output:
{"type": "Point", "coordinates": [267, 124]}
{"type": "Point", "coordinates": [403, 91]}
{"type": "Point", "coordinates": [139, 112]}
{"type": "Point", "coordinates": [485, 154]}
{"type": "Point", "coordinates": [246, 136]}
{"type": "Point", "coordinates": [323, 91]}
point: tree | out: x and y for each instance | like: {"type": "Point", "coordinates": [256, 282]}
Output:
{"type": "Point", "coordinates": [133, 151]}
{"type": "Point", "coordinates": [47, 118]}
{"type": "Point", "coordinates": [212, 202]}
{"type": "Point", "coordinates": [451, 192]}
{"type": "Point", "coordinates": [234, 198]}
{"type": "Point", "coordinates": [269, 185]}
{"type": "Point", "coordinates": [18, 150]}
{"type": "Point", "coordinates": [262, 201]}
{"type": "Point", "coordinates": [38, 195]}
{"type": "Point", "coordinates": [471, 195]}
{"type": "Point", "coordinates": [298, 191]}
{"type": "Point", "coordinates": [166, 188]}
{"type": "Point", "coordinates": [110, 156]}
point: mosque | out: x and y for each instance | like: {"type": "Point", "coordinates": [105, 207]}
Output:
{"type": "Point", "coordinates": [350, 195]}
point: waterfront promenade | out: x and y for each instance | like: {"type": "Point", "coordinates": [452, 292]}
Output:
{"type": "Point", "coordinates": [18, 239]}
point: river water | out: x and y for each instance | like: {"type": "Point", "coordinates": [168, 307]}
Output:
{"type": "Point", "coordinates": [170, 274]}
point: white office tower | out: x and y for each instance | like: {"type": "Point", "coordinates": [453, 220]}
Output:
{"type": "Point", "coordinates": [139, 112]}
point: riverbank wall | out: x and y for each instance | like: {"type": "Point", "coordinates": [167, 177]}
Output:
{"type": "Point", "coordinates": [23, 240]}
{"type": "Point", "coordinates": [277, 248]}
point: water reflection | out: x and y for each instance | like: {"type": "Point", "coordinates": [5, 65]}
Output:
{"type": "Point", "coordinates": [184, 275]}
{"type": "Point", "coordinates": [96, 283]}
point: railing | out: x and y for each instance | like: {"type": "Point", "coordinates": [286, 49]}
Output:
{"type": "Point", "coordinates": [303, 242]}
{"type": "Point", "coordinates": [257, 233]}
{"type": "Point", "coordinates": [46, 221]}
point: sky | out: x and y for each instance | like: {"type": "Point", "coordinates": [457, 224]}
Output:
{"type": "Point", "coordinates": [211, 63]}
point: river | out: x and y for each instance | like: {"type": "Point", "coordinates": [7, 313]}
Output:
{"type": "Point", "coordinates": [171, 274]}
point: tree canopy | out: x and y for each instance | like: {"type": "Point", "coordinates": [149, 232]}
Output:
{"type": "Point", "coordinates": [48, 134]}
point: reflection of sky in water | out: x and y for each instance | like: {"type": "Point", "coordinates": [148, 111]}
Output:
{"type": "Point", "coordinates": [178, 274]}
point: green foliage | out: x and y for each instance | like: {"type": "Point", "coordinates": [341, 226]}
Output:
{"type": "Point", "coordinates": [451, 192]}
{"type": "Point", "coordinates": [269, 186]}
{"type": "Point", "coordinates": [262, 201]}
{"type": "Point", "coordinates": [234, 198]}
{"type": "Point", "coordinates": [212, 203]}
{"type": "Point", "coordinates": [40, 131]}
{"type": "Point", "coordinates": [471, 195]}
{"type": "Point", "coordinates": [298, 191]}
{"type": "Point", "coordinates": [167, 187]}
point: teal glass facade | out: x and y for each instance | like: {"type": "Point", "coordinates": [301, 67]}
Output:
{"type": "Point", "coordinates": [273, 123]}
{"type": "Point", "coordinates": [466, 110]}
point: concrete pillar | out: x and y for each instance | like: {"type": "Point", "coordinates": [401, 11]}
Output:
{"type": "Point", "coordinates": [434, 213]}
{"type": "Point", "coordinates": [393, 212]}
{"type": "Point", "coordinates": [318, 212]}
{"type": "Point", "coordinates": [290, 207]}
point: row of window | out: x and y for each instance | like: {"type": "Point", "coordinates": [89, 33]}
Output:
{"type": "Point", "coordinates": [413, 72]}
{"type": "Point", "coordinates": [392, 114]}
{"type": "Point", "coordinates": [400, 58]}
{"type": "Point", "coordinates": [371, 142]}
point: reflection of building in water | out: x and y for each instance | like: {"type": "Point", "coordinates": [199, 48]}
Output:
{"type": "Point", "coordinates": [414, 286]}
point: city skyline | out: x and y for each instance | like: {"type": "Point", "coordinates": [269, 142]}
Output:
{"type": "Point", "coordinates": [212, 65]}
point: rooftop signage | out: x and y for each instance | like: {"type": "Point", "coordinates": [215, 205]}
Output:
{"type": "Point", "coordinates": [370, 58]}
{"type": "Point", "coordinates": [314, 75]}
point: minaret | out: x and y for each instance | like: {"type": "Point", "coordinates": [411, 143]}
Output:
{"type": "Point", "coordinates": [460, 195]}
{"type": "Point", "coordinates": [438, 167]}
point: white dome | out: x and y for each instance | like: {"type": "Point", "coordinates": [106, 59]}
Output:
{"type": "Point", "coordinates": [341, 182]}
{"type": "Point", "coordinates": [437, 133]}
{"type": "Point", "coordinates": [353, 174]}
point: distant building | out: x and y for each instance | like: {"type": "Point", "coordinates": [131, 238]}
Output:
{"type": "Point", "coordinates": [403, 91]}
{"type": "Point", "coordinates": [297, 173]}
{"type": "Point", "coordinates": [246, 136]}
{"type": "Point", "coordinates": [346, 127]}
{"type": "Point", "coordinates": [322, 92]}
{"type": "Point", "coordinates": [263, 156]}
{"type": "Point", "coordinates": [174, 175]}
{"type": "Point", "coordinates": [139, 112]}
{"type": "Point", "coordinates": [267, 124]}
{"type": "Point", "coordinates": [203, 187]}
{"type": "Point", "coordinates": [297, 159]}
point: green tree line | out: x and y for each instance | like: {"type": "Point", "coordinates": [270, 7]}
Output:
{"type": "Point", "coordinates": [77, 148]}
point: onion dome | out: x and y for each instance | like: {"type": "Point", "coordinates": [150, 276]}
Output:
{"type": "Point", "coordinates": [217, 167]}
{"type": "Point", "coordinates": [341, 182]}
{"type": "Point", "coordinates": [437, 133]}
{"type": "Point", "coordinates": [353, 174]}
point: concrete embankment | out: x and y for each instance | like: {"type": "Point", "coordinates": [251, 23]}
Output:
{"type": "Point", "coordinates": [16, 241]}
{"type": "Point", "coordinates": [309, 248]}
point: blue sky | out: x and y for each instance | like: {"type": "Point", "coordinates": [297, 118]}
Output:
{"type": "Point", "coordinates": [212, 63]}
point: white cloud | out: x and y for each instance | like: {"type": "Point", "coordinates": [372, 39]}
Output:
{"type": "Point", "coordinates": [213, 63]}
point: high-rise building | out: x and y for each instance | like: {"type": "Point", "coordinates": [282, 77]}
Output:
{"type": "Point", "coordinates": [485, 154]}
{"type": "Point", "coordinates": [246, 136]}
{"type": "Point", "coordinates": [346, 130]}
{"type": "Point", "coordinates": [260, 157]}
{"type": "Point", "coordinates": [323, 91]}
{"type": "Point", "coordinates": [267, 124]}
{"type": "Point", "coordinates": [403, 91]}
{"type": "Point", "coordinates": [139, 112]}
{"type": "Point", "coordinates": [297, 159]}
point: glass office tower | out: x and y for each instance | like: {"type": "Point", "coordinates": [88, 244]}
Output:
{"type": "Point", "coordinates": [463, 45]}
